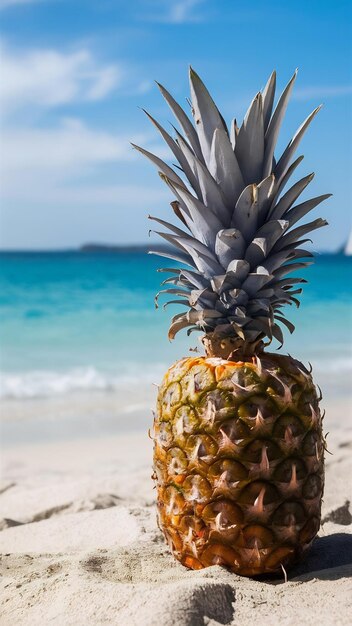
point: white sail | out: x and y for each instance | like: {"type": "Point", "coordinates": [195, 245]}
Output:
{"type": "Point", "coordinates": [348, 247]}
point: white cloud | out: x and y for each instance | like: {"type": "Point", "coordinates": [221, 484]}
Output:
{"type": "Point", "coordinates": [316, 91]}
{"type": "Point", "coordinates": [97, 196]}
{"type": "Point", "coordinates": [9, 3]}
{"type": "Point", "coordinates": [45, 163]}
{"type": "Point", "coordinates": [144, 87]}
{"type": "Point", "coordinates": [52, 194]}
{"type": "Point", "coordinates": [48, 78]}
{"type": "Point", "coordinates": [49, 216]}
{"type": "Point", "coordinates": [174, 11]}
{"type": "Point", "coordinates": [102, 196]}
{"type": "Point", "coordinates": [183, 11]}
{"type": "Point", "coordinates": [60, 154]}
{"type": "Point", "coordinates": [58, 182]}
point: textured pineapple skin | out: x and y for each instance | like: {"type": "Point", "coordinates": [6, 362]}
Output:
{"type": "Point", "coordinates": [239, 462]}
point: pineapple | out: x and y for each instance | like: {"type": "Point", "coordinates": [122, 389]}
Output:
{"type": "Point", "coordinates": [238, 443]}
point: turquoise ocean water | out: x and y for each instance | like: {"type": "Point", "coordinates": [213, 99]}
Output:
{"type": "Point", "coordinates": [86, 321]}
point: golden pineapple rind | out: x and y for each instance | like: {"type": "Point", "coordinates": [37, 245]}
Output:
{"type": "Point", "coordinates": [239, 462]}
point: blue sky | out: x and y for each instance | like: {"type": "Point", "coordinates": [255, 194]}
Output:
{"type": "Point", "coordinates": [74, 74]}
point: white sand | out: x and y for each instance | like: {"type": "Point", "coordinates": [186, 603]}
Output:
{"type": "Point", "coordinates": [80, 546]}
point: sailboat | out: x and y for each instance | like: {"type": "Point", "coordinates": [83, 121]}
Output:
{"type": "Point", "coordinates": [348, 246]}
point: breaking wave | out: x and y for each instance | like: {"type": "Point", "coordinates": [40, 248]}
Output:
{"type": "Point", "coordinates": [44, 383]}
{"type": "Point", "coordinates": [36, 384]}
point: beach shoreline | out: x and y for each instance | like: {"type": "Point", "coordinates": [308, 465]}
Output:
{"type": "Point", "coordinates": [81, 546]}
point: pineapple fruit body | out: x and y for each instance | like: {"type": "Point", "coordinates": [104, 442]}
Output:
{"type": "Point", "coordinates": [239, 462]}
{"type": "Point", "coordinates": [239, 449]}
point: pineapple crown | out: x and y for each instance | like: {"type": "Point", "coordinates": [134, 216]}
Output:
{"type": "Point", "coordinates": [237, 237]}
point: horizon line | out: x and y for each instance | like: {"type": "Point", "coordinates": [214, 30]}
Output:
{"type": "Point", "coordinates": [116, 247]}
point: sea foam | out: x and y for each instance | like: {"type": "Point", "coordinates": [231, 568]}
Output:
{"type": "Point", "coordinates": [36, 384]}
{"type": "Point", "coordinates": [46, 383]}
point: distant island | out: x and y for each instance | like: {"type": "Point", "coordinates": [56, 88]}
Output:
{"type": "Point", "coordinates": [118, 248]}
{"type": "Point", "coordinates": [345, 249]}
{"type": "Point", "coordinates": [105, 247]}
{"type": "Point", "coordinates": [142, 248]}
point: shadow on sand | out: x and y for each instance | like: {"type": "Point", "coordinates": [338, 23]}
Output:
{"type": "Point", "coordinates": [329, 558]}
